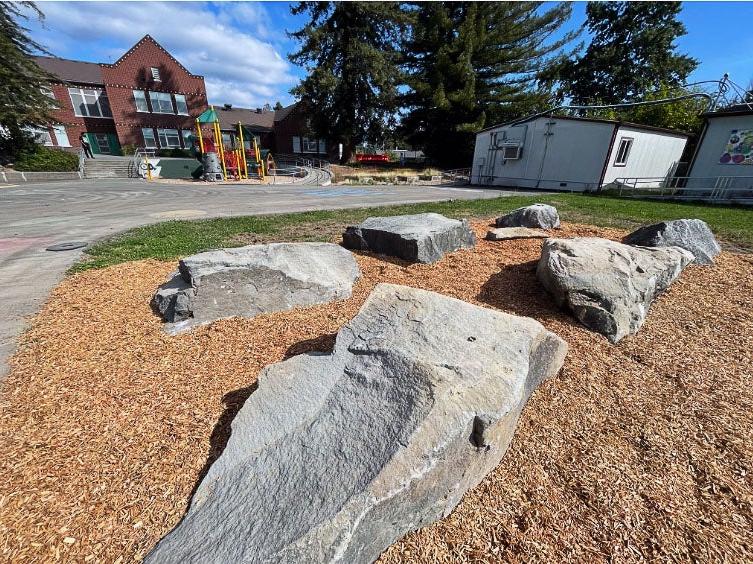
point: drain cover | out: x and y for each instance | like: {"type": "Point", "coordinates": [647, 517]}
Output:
{"type": "Point", "coordinates": [71, 245]}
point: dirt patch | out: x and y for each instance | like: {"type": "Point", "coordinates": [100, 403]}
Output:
{"type": "Point", "coordinates": [635, 451]}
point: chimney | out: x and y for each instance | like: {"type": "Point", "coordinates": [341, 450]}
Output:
{"type": "Point", "coordinates": [227, 106]}
{"type": "Point", "coordinates": [258, 110]}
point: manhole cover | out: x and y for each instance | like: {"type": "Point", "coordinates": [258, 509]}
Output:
{"type": "Point", "coordinates": [67, 246]}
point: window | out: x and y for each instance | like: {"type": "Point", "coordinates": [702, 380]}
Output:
{"type": "Point", "coordinates": [180, 104]}
{"type": "Point", "coordinates": [61, 135]}
{"type": "Point", "coordinates": [90, 102]}
{"type": "Point", "coordinates": [623, 151]}
{"type": "Point", "coordinates": [155, 74]}
{"type": "Point", "coordinates": [41, 136]}
{"type": "Point", "coordinates": [310, 145]}
{"type": "Point", "coordinates": [162, 103]}
{"type": "Point", "coordinates": [139, 97]}
{"type": "Point", "coordinates": [149, 141]}
{"type": "Point", "coordinates": [188, 138]}
{"type": "Point", "coordinates": [168, 138]}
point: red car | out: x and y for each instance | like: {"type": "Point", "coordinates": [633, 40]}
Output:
{"type": "Point", "coordinates": [363, 158]}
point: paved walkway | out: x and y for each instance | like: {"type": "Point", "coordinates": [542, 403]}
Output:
{"type": "Point", "coordinates": [34, 216]}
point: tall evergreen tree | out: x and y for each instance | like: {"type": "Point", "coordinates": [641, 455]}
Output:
{"type": "Point", "coordinates": [21, 80]}
{"type": "Point", "coordinates": [350, 51]}
{"type": "Point", "coordinates": [470, 64]}
{"type": "Point", "coordinates": [632, 52]}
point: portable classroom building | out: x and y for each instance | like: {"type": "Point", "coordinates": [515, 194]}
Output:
{"type": "Point", "coordinates": [723, 161]}
{"type": "Point", "coordinates": [573, 154]}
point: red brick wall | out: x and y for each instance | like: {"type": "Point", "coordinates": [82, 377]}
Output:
{"type": "Point", "coordinates": [295, 125]}
{"type": "Point", "coordinates": [133, 72]}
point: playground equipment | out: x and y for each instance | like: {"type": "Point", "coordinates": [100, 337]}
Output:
{"type": "Point", "coordinates": [234, 158]}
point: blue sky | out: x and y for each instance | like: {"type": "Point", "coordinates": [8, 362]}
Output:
{"type": "Point", "coordinates": [241, 48]}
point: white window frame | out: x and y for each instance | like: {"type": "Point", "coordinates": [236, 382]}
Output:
{"type": "Point", "coordinates": [623, 151]}
{"type": "Point", "coordinates": [181, 99]}
{"type": "Point", "coordinates": [150, 140]}
{"type": "Point", "coordinates": [47, 91]}
{"type": "Point", "coordinates": [41, 136]}
{"type": "Point", "coordinates": [164, 135]}
{"type": "Point", "coordinates": [140, 96]}
{"type": "Point", "coordinates": [99, 96]}
{"type": "Point", "coordinates": [158, 99]}
{"type": "Point", "coordinates": [61, 135]}
{"type": "Point", "coordinates": [155, 74]}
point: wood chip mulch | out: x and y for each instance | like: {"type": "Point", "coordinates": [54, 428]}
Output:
{"type": "Point", "coordinates": [636, 451]}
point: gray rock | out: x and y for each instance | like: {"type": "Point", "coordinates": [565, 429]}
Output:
{"type": "Point", "coordinates": [505, 233]}
{"type": "Point", "coordinates": [424, 237]}
{"type": "Point", "coordinates": [542, 216]}
{"type": "Point", "coordinates": [607, 285]}
{"type": "Point", "coordinates": [247, 281]}
{"type": "Point", "coordinates": [693, 235]}
{"type": "Point", "coordinates": [337, 456]}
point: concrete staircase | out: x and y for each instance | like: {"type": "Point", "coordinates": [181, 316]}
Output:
{"type": "Point", "coordinates": [106, 166]}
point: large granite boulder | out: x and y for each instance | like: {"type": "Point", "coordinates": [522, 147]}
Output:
{"type": "Point", "coordinates": [540, 216]}
{"type": "Point", "coordinates": [607, 285]}
{"type": "Point", "coordinates": [693, 235]}
{"type": "Point", "coordinates": [424, 237]}
{"type": "Point", "coordinates": [337, 456]}
{"type": "Point", "coordinates": [247, 281]}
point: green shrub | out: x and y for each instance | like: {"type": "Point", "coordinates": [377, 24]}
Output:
{"type": "Point", "coordinates": [44, 159]}
{"type": "Point", "coordinates": [128, 150]}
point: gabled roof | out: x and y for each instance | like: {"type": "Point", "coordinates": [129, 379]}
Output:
{"type": "Point", "coordinates": [285, 112]}
{"type": "Point", "coordinates": [149, 39]}
{"type": "Point", "coordinates": [229, 118]}
{"type": "Point", "coordinates": [594, 120]}
{"type": "Point", "coordinates": [734, 110]}
{"type": "Point", "coordinates": [68, 70]}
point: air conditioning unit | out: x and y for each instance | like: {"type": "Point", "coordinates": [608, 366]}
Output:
{"type": "Point", "coordinates": [511, 151]}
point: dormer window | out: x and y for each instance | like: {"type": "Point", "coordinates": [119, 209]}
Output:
{"type": "Point", "coordinates": [155, 74]}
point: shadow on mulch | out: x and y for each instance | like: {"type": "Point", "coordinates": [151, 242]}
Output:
{"type": "Point", "coordinates": [322, 344]}
{"type": "Point", "coordinates": [515, 289]}
{"type": "Point", "coordinates": [233, 402]}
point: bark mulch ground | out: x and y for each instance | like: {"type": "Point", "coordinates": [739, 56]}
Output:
{"type": "Point", "coordinates": [639, 450]}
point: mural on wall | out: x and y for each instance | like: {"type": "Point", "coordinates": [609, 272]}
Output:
{"type": "Point", "coordinates": [739, 148]}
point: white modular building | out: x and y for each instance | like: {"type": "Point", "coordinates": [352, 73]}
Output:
{"type": "Point", "coordinates": [722, 166]}
{"type": "Point", "coordinates": [573, 154]}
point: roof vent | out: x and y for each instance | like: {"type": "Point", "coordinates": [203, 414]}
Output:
{"type": "Point", "coordinates": [155, 75]}
{"type": "Point", "coordinates": [227, 106]}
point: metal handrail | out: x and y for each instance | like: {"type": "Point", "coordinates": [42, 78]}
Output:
{"type": "Point", "coordinates": [139, 156]}
{"type": "Point", "coordinates": [712, 188]}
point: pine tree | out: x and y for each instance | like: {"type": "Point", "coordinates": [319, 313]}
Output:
{"type": "Point", "coordinates": [632, 52]}
{"type": "Point", "coordinates": [350, 52]}
{"type": "Point", "coordinates": [472, 64]}
{"type": "Point", "coordinates": [278, 105]}
{"type": "Point", "coordinates": [21, 79]}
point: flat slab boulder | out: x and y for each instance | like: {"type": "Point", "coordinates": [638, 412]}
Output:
{"type": "Point", "coordinates": [424, 237]}
{"type": "Point", "coordinates": [540, 216]}
{"type": "Point", "coordinates": [335, 457]}
{"type": "Point", "coordinates": [693, 235]}
{"type": "Point", "coordinates": [506, 233]}
{"type": "Point", "coordinates": [247, 281]}
{"type": "Point", "coordinates": [608, 286]}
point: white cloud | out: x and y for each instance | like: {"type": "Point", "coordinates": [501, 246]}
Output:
{"type": "Point", "coordinates": [230, 44]}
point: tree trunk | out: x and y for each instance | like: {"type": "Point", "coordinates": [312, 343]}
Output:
{"type": "Point", "coordinates": [348, 149]}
